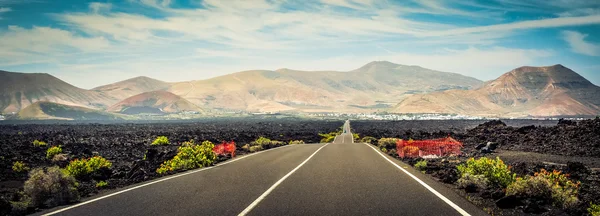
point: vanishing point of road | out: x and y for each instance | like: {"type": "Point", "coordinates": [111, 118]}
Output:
{"type": "Point", "coordinates": [340, 178]}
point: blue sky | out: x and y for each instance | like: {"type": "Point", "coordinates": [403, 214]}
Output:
{"type": "Point", "coordinates": [91, 43]}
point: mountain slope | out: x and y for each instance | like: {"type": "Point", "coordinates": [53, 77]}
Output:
{"type": "Point", "coordinates": [157, 102]}
{"type": "Point", "coordinates": [373, 85]}
{"type": "Point", "coordinates": [526, 91]}
{"type": "Point", "coordinates": [19, 90]}
{"type": "Point", "coordinates": [127, 88]}
{"type": "Point", "coordinates": [42, 110]}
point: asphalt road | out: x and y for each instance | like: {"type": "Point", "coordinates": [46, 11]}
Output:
{"type": "Point", "coordinates": [341, 178]}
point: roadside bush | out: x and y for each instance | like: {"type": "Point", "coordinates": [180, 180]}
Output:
{"type": "Point", "coordinates": [495, 171]}
{"type": "Point", "coordinates": [330, 137]}
{"type": "Point", "coordinates": [189, 143]}
{"type": "Point", "coordinates": [356, 137]}
{"type": "Point", "coordinates": [384, 150]}
{"type": "Point", "coordinates": [50, 187]}
{"type": "Point", "coordinates": [52, 151]}
{"type": "Point", "coordinates": [101, 184]}
{"type": "Point", "coordinates": [388, 143]}
{"type": "Point", "coordinates": [262, 141]}
{"type": "Point", "coordinates": [473, 182]}
{"type": "Point", "coordinates": [545, 185]}
{"type": "Point", "coordinates": [368, 139]}
{"type": "Point", "coordinates": [421, 165]}
{"type": "Point", "coordinates": [594, 210]}
{"type": "Point", "coordinates": [410, 150]}
{"type": "Point", "coordinates": [161, 140]}
{"type": "Point", "coordinates": [38, 143]}
{"type": "Point", "coordinates": [293, 142]}
{"type": "Point", "coordinates": [19, 166]}
{"type": "Point", "coordinates": [246, 147]}
{"type": "Point", "coordinates": [190, 157]}
{"type": "Point", "coordinates": [80, 168]}
{"type": "Point", "coordinates": [255, 148]}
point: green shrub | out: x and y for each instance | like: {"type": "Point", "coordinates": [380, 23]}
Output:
{"type": "Point", "coordinates": [190, 157]}
{"type": "Point", "coordinates": [84, 167]}
{"type": "Point", "coordinates": [255, 148]}
{"type": "Point", "coordinates": [50, 187]}
{"type": "Point", "coordinates": [330, 137]}
{"type": "Point", "coordinates": [262, 141]}
{"type": "Point", "coordinates": [161, 140]}
{"type": "Point", "coordinates": [101, 184]}
{"type": "Point", "coordinates": [189, 143]}
{"type": "Point", "coordinates": [421, 165]}
{"type": "Point", "coordinates": [355, 137]}
{"type": "Point", "coordinates": [384, 150]}
{"type": "Point", "coordinates": [293, 142]}
{"type": "Point", "coordinates": [388, 143]}
{"type": "Point", "coordinates": [594, 210]}
{"type": "Point", "coordinates": [327, 138]}
{"type": "Point", "coordinates": [246, 147]}
{"type": "Point", "coordinates": [368, 139]}
{"type": "Point", "coordinates": [495, 171]}
{"type": "Point", "coordinates": [553, 186]}
{"type": "Point", "coordinates": [52, 151]}
{"type": "Point", "coordinates": [19, 166]}
{"type": "Point", "coordinates": [20, 207]}
{"type": "Point", "coordinates": [473, 181]}
{"type": "Point", "coordinates": [38, 143]}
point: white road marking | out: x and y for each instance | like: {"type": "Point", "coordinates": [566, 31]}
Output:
{"type": "Point", "coordinates": [442, 197]}
{"type": "Point", "coordinates": [157, 181]}
{"type": "Point", "coordinates": [268, 191]}
{"type": "Point", "coordinates": [343, 139]}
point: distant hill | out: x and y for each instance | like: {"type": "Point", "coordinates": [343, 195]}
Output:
{"type": "Point", "coordinates": [131, 87]}
{"type": "Point", "coordinates": [48, 110]}
{"type": "Point", "coordinates": [525, 91]}
{"type": "Point", "coordinates": [374, 86]}
{"type": "Point", "coordinates": [19, 90]}
{"type": "Point", "coordinates": [156, 102]}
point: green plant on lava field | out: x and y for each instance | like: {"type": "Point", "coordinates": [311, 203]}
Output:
{"type": "Point", "coordinates": [495, 171]}
{"type": "Point", "coordinates": [190, 157]}
{"type": "Point", "coordinates": [161, 140]}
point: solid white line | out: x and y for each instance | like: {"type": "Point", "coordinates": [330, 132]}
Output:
{"type": "Point", "coordinates": [157, 181]}
{"type": "Point", "coordinates": [456, 207]}
{"type": "Point", "coordinates": [268, 191]}
{"type": "Point", "coordinates": [343, 139]}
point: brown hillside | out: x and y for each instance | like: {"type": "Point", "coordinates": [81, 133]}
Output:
{"type": "Point", "coordinates": [377, 83]}
{"type": "Point", "coordinates": [526, 91]}
{"type": "Point", "coordinates": [156, 101]}
{"type": "Point", "coordinates": [19, 90]}
{"type": "Point", "coordinates": [127, 88]}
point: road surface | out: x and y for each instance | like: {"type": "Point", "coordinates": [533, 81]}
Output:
{"type": "Point", "coordinates": [340, 178]}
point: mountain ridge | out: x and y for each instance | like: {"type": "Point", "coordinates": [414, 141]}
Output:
{"type": "Point", "coordinates": [522, 92]}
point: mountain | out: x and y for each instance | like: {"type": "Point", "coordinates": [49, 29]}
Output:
{"type": "Point", "coordinates": [156, 102]}
{"type": "Point", "coordinates": [19, 90]}
{"type": "Point", "coordinates": [525, 91]}
{"type": "Point", "coordinates": [42, 110]}
{"type": "Point", "coordinates": [376, 85]}
{"type": "Point", "coordinates": [131, 87]}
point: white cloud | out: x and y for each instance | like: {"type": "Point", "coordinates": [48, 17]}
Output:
{"type": "Point", "coordinates": [578, 44]}
{"type": "Point", "coordinates": [5, 9]}
{"type": "Point", "coordinates": [96, 7]}
{"type": "Point", "coordinates": [530, 24]}
{"type": "Point", "coordinates": [44, 44]}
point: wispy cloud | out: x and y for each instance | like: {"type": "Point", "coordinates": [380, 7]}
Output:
{"type": "Point", "coordinates": [96, 7]}
{"type": "Point", "coordinates": [578, 44]}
